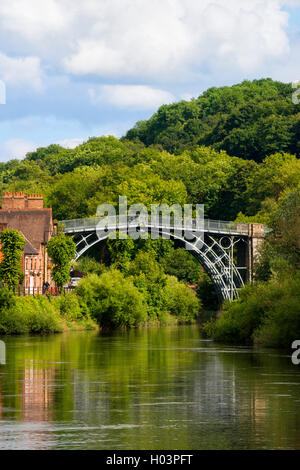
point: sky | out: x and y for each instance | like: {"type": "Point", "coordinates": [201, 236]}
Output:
{"type": "Point", "coordinates": [75, 69]}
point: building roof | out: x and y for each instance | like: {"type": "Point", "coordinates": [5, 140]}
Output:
{"type": "Point", "coordinates": [29, 249]}
{"type": "Point", "coordinates": [35, 225]}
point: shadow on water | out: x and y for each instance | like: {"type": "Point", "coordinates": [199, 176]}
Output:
{"type": "Point", "coordinates": [161, 388]}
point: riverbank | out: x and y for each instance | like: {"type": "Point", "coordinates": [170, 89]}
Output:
{"type": "Point", "coordinates": [108, 302]}
{"type": "Point", "coordinates": [266, 314]}
{"type": "Point", "coordinates": [42, 315]}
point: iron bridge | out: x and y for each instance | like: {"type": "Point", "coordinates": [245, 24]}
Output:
{"type": "Point", "coordinates": [222, 248]}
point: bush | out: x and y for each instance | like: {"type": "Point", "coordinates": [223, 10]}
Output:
{"type": "Point", "coordinates": [89, 266]}
{"type": "Point", "coordinates": [181, 300]}
{"type": "Point", "coordinates": [70, 307]}
{"type": "Point", "coordinates": [207, 293]}
{"type": "Point", "coordinates": [183, 265]}
{"type": "Point", "coordinates": [267, 313]}
{"type": "Point", "coordinates": [240, 318]}
{"type": "Point", "coordinates": [113, 300]}
{"type": "Point", "coordinates": [30, 315]}
{"type": "Point", "coordinates": [281, 323]}
{"type": "Point", "coordinates": [7, 298]}
{"type": "Point", "coordinates": [150, 279]}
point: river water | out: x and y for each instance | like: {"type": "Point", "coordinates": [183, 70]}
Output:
{"type": "Point", "coordinates": [158, 389]}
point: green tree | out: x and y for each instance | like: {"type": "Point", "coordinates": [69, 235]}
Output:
{"type": "Point", "coordinates": [150, 279]}
{"type": "Point", "coordinates": [183, 265]}
{"type": "Point", "coordinates": [113, 300]}
{"type": "Point", "coordinates": [181, 301]}
{"type": "Point", "coordinates": [249, 120]}
{"type": "Point", "coordinates": [12, 245]}
{"type": "Point", "coordinates": [61, 250]}
{"type": "Point", "coordinates": [207, 293]}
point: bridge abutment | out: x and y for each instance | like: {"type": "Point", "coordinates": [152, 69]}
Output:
{"type": "Point", "coordinates": [256, 239]}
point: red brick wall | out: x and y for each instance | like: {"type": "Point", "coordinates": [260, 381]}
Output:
{"type": "Point", "coordinates": [18, 201]}
{"type": "Point", "coordinates": [35, 203]}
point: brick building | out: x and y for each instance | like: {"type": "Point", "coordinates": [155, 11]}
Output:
{"type": "Point", "coordinates": [28, 215]}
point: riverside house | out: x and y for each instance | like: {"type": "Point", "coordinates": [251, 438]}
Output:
{"type": "Point", "coordinates": [28, 215]}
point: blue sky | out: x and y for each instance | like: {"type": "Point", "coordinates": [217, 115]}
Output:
{"type": "Point", "coordinates": [78, 69]}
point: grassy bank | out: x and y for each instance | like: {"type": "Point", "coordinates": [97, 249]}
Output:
{"type": "Point", "coordinates": [109, 301]}
{"type": "Point", "coordinates": [41, 315]}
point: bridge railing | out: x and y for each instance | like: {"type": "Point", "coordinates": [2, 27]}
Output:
{"type": "Point", "coordinates": [221, 226]}
{"type": "Point", "coordinates": [209, 225]}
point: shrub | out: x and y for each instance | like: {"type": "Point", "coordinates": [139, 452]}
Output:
{"type": "Point", "coordinates": [12, 245]}
{"type": "Point", "coordinates": [183, 265]}
{"type": "Point", "coordinates": [70, 307]}
{"type": "Point", "coordinates": [181, 300]}
{"type": "Point", "coordinates": [30, 315]}
{"type": "Point", "coordinates": [207, 293]}
{"type": "Point", "coordinates": [150, 279]}
{"type": "Point", "coordinates": [89, 266]}
{"type": "Point", "coordinates": [113, 300]}
{"type": "Point", "coordinates": [61, 250]}
{"type": "Point", "coordinates": [7, 298]}
{"type": "Point", "coordinates": [267, 313]}
{"type": "Point", "coordinates": [241, 317]}
{"type": "Point", "coordinates": [281, 323]}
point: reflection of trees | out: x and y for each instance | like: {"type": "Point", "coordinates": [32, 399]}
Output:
{"type": "Point", "coordinates": [156, 388]}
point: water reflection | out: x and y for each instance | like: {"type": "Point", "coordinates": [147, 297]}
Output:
{"type": "Point", "coordinates": [153, 389]}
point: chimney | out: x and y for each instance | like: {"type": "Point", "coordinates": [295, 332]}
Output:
{"type": "Point", "coordinates": [34, 201]}
{"type": "Point", "coordinates": [18, 201]}
{"type": "Point", "coordinates": [13, 201]}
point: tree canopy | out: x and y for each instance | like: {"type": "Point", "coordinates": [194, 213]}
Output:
{"type": "Point", "coordinates": [249, 120]}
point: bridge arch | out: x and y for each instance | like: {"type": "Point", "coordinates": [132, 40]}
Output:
{"type": "Point", "coordinates": [209, 251]}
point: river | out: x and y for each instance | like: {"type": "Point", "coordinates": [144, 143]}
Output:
{"type": "Point", "coordinates": [158, 389]}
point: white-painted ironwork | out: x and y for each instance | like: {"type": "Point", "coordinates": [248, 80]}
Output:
{"type": "Point", "coordinates": [207, 246]}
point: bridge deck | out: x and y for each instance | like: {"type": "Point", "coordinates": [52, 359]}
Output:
{"type": "Point", "coordinates": [209, 226]}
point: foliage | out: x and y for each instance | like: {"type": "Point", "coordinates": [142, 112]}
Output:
{"type": "Point", "coordinates": [12, 245]}
{"type": "Point", "coordinates": [280, 254]}
{"type": "Point", "coordinates": [149, 278]}
{"type": "Point", "coordinates": [29, 315]}
{"type": "Point", "coordinates": [121, 252]}
{"type": "Point", "coordinates": [113, 300]}
{"type": "Point", "coordinates": [207, 293]}
{"type": "Point", "coordinates": [7, 299]}
{"type": "Point", "coordinates": [181, 300]}
{"type": "Point", "coordinates": [89, 265]}
{"type": "Point", "coordinates": [43, 315]}
{"type": "Point", "coordinates": [234, 149]}
{"type": "Point", "coordinates": [249, 120]}
{"type": "Point", "coordinates": [180, 263]}
{"type": "Point", "coordinates": [61, 250]}
{"type": "Point", "coordinates": [267, 313]}
{"type": "Point", "coordinates": [69, 306]}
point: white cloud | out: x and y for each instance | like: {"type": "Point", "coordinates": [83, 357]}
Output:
{"type": "Point", "coordinates": [33, 18]}
{"type": "Point", "coordinates": [131, 96]}
{"type": "Point", "coordinates": [21, 70]}
{"type": "Point", "coordinates": [15, 148]}
{"type": "Point", "coordinates": [167, 38]}
{"type": "Point", "coordinates": [290, 3]}
{"type": "Point", "coordinates": [71, 143]}
{"type": "Point", "coordinates": [157, 39]}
